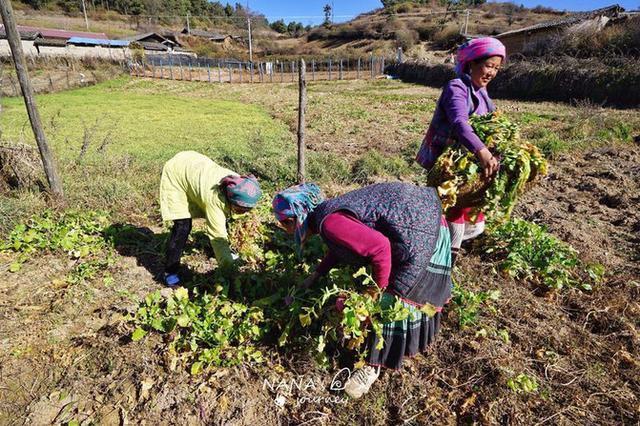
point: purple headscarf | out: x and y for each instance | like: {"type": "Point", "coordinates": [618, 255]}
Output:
{"type": "Point", "coordinates": [478, 48]}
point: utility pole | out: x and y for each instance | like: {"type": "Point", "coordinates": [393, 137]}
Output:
{"type": "Point", "coordinates": [27, 92]}
{"type": "Point", "coordinates": [84, 10]}
{"type": "Point", "coordinates": [333, 13]}
{"type": "Point", "coordinates": [188, 25]}
{"type": "Point", "coordinates": [250, 41]}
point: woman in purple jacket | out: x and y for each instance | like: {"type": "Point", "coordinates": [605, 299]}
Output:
{"type": "Point", "coordinates": [478, 62]}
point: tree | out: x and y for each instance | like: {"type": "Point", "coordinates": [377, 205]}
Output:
{"type": "Point", "coordinates": [228, 10]}
{"type": "Point", "coordinates": [327, 15]}
{"type": "Point", "coordinates": [279, 26]}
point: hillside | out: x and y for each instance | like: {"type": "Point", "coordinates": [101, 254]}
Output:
{"type": "Point", "coordinates": [420, 29]}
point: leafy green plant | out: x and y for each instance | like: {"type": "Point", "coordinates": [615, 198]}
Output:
{"type": "Point", "coordinates": [523, 383]}
{"type": "Point", "coordinates": [209, 328]}
{"type": "Point", "coordinates": [77, 234]}
{"type": "Point", "coordinates": [467, 304]}
{"type": "Point", "coordinates": [527, 251]}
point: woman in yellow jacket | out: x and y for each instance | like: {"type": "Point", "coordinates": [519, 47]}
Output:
{"type": "Point", "coordinates": [193, 186]}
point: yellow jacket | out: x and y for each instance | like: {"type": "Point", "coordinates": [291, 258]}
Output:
{"type": "Point", "coordinates": [190, 188]}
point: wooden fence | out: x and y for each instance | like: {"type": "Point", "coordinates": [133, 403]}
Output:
{"type": "Point", "coordinates": [277, 71]}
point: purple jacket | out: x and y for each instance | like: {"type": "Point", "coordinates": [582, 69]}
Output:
{"type": "Point", "coordinates": [450, 121]}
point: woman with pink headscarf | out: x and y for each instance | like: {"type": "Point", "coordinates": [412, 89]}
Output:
{"type": "Point", "coordinates": [477, 63]}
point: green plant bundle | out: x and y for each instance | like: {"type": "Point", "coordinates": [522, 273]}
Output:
{"type": "Point", "coordinates": [527, 251]}
{"type": "Point", "coordinates": [458, 176]}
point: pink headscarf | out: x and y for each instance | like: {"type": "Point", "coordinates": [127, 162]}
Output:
{"type": "Point", "coordinates": [478, 48]}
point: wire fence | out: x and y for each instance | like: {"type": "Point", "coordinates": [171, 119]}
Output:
{"type": "Point", "coordinates": [277, 71]}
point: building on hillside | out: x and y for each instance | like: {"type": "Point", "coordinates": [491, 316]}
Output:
{"type": "Point", "coordinates": [518, 40]}
{"type": "Point", "coordinates": [211, 36]}
{"type": "Point", "coordinates": [154, 41]}
{"type": "Point", "coordinates": [50, 33]}
{"type": "Point", "coordinates": [27, 38]}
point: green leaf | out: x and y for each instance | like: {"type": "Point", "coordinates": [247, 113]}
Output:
{"type": "Point", "coordinates": [196, 368]}
{"type": "Point", "coordinates": [138, 334]}
{"type": "Point", "coordinates": [183, 320]}
{"type": "Point", "coordinates": [15, 267]}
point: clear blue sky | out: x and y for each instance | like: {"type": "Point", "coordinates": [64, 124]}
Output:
{"type": "Point", "coordinates": [310, 11]}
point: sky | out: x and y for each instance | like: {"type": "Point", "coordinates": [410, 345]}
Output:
{"type": "Point", "coordinates": [310, 11]}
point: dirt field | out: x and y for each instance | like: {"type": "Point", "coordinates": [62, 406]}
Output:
{"type": "Point", "coordinates": [66, 354]}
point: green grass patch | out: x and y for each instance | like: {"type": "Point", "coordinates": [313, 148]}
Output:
{"type": "Point", "coordinates": [111, 141]}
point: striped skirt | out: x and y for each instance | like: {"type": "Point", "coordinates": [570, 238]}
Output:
{"type": "Point", "coordinates": [413, 335]}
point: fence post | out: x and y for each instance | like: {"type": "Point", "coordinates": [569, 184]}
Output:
{"type": "Point", "coordinates": [302, 106]}
{"type": "Point", "coordinates": [219, 73]}
{"type": "Point", "coordinates": [293, 71]}
{"type": "Point", "coordinates": [153, 70]}
{"type": "Point", "coordinates": [51, 83]}
{"type": "Point", "coordinates": [358, 70]}
{"type": "Point", "coordinates": [190, 71]}
{"type": "Point", "coordinates": [330, 69]}
{"type": "Point", "coordinates": [281, 72]}
{"type": "Point", "coordinates": [313, 69]}
{"type": "Point", "coordinates": [208, 73]}
{"type": "Point", "coordinates": [181, 72]}
{"type": "Point", "coordinates": [340, 74]}
{"type": "Point", "coordinates": [230, 75]}
{"type": "Point", "coordinates": [371, 66]}
{"type": "Point", "coordinates": [382, 66]}
{"type": "Point", "coordinates": [260, 72]}
{"type": "Point", "coordinates": [251, 72]}
{"type": "Point", "coordinates": [171, 69]}
{"type": "Point", "coordinates": [271, 73]}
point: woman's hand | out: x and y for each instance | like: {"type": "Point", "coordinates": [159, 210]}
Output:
{"type": "Point", "coordinates": [488, 162]}
{"type": "Point", "coordinates": [310, 280]}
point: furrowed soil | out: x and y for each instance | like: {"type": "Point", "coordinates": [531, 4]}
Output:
{"type": "Point", "coordinates": [66, 353]}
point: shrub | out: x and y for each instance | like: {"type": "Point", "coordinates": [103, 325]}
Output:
{"type": "Point", "coordinates": [447, 37]}
{"type": "Point", "coordinates": [406, 39]}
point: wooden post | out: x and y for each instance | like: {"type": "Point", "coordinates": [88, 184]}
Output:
{"type": "Point", "coordinates": [329, 69]}
{"type": "Point", "coordinates": [371, 66]}
{"type": "Point", "coordinates": [302, 106]}
{"type": "Point", "coordinates": [251, 72]}
{"type": "Point", "coordinates": [48, 161]}
{"type": "Point", "coordinates": [358, 70]}
{"type": "Point", "coordinates": [219, 73]}
{"type": "Point", "coordinates": [281, 72]}
{"type": "Point", "coordinates": [271, 73]}
{"type": "Point", "coordinates": [230, 74]}
{"type": "Point", "coordinates": [313, 69]}
{"type": "Point", "coordinates": [293, 71]}
{"type": "Point", "coordinates": [171, 69]}
{"type": "Point", "coordinates": [340, 78]}
{"type": "Point", "coordinates": [260, 71]}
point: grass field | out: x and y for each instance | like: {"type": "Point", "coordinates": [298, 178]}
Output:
{"type": "Point", "coordinates": [517, 356]}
